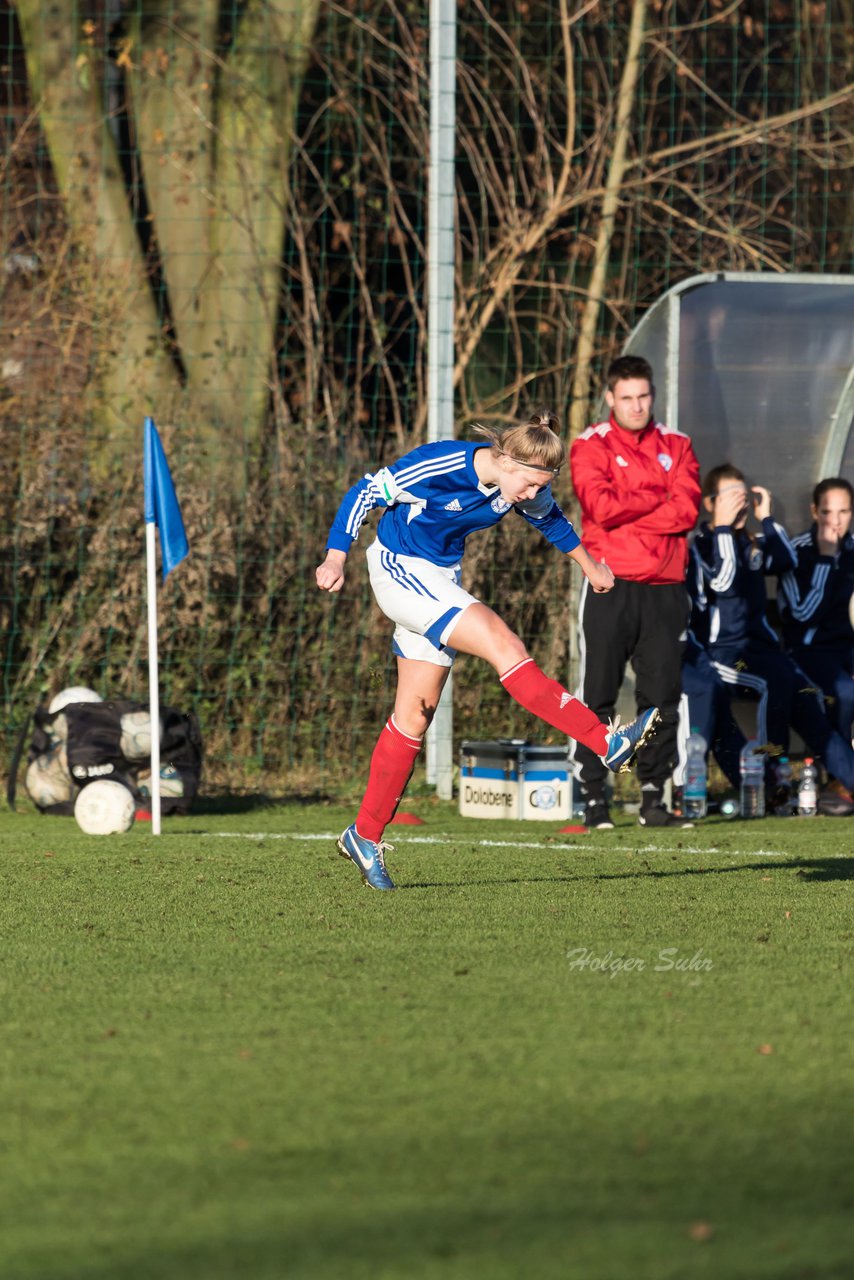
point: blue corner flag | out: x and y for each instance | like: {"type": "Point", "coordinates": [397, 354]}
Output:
{"type": "Point", "coordinates": [161, 504]}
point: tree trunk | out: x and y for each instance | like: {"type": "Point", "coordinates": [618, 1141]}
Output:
{"type": "Point", "coordinates": [257, 104]}
{"type": "Point", "coordinates": [134, 374]}
{"type": "Point", "coordinates": [172, 79]}
{"type": "Point", "coordinates": [213, 143]}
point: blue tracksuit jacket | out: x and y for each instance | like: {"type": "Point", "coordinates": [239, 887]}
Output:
{"type": "Point", "coordinates": [726, 582]}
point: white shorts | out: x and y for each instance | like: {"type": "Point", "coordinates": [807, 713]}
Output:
{"type": "Point", "coordinates": [424, 600]}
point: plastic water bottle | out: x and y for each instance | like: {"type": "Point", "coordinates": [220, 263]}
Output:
{"type": "Point", "coordinates": [752, 795]}
{"type": "Point", "coordinates": [783, 788]}
{"type": "Point", "coordinates": [808, 790]}
{"type": "Point", "coordinates": [694, 792]}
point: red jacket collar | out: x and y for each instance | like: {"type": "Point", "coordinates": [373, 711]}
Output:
{"type": "Point", "coordinates": [627, 435]}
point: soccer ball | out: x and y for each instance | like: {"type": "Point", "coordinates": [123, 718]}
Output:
{"type": "Point", "coordinates": [136, 735]}
{"type": "Point", "coordinates": [58, 732]}
{"type": "Point", "coordinates": [104, 808]}
{"type": "Point", "coordinates": [47, 779]}
{"type": "Point", "coordinates": [77, 693]}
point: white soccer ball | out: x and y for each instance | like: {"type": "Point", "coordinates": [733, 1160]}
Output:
{"type": "Point", "coordinates": [47, 779]}
{"type": "Point", "coordinates": [76, 693]}
{"type": "Point", "coordinates": [136, 735]}
{"type": "Point", "coordinates": [104, 808]}
{"type": "Point", "coordinates": [58, 731]}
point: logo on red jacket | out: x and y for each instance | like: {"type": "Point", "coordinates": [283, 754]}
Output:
{"type": "Point", "coordinates": [665, 460]}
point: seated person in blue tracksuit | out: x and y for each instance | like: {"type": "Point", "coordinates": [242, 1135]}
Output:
{"type": "Point", "coordinates": [815, 601]}
{"type": "Point", "coordinates": [726, 581]}
{"type": "Point", "coordinates": [705, 707]}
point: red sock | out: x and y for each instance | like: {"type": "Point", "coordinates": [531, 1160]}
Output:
{"type": "Point", "coordinates": [551, 702]}
{"type": "Point", "coordinates": [391, 768]}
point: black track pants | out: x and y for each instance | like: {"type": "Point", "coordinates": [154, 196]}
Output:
{"type": "Point", "coordinates": [644, 624]}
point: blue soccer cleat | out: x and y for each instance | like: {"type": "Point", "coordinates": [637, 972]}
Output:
{"type": "Point", "coordinates": [367, 856]}
{"type": "Point", "coordinates": [624, 743]}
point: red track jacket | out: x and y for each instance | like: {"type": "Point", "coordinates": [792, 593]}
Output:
{"type": "Point", "coordinates": [639, 493]}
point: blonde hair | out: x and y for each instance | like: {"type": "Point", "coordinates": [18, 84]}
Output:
{"type": "Point", "coordinates": [535, 443]}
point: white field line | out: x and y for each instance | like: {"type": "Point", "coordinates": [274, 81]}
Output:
{"type": "Point", "coordinates": [554, 847]}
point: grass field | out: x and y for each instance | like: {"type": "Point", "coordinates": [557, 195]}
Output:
{"type": "Point", "coordinates": [627, 1054]}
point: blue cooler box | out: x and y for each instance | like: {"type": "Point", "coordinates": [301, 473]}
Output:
{"type": "Point", "coordinates": [545, 783]}
{"type": "Point", "coordinates": [514, 778]}
{"type": "Point", "coordinates": [489, 778]}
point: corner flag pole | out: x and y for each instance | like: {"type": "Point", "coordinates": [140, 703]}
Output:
{"type": "Point", "coordinates": [153, 673]}
{"type": "Point", "coordinates": [162, 512]}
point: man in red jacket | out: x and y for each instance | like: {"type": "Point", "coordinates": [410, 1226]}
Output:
{"type": "Point", "coordinates": [638, 486]}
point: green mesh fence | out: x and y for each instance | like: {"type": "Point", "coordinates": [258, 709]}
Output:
{"type": "Point", "coordinates": [217, 214]}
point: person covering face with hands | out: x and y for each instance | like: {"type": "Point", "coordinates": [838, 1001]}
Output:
{"type": "Point", "coordinates": [729, 619]}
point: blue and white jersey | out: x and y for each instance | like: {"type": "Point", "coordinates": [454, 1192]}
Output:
{"type": "Point", "coordinates": [432, 500]}
{"type": "Point", "coordinates": [726, 582]}
{"type": "Point", "coordinates": [814, 596]}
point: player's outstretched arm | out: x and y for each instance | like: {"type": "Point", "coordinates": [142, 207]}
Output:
{"type": "Point", "coordinates": [330, 574]}
{"type": "Point", "coordinates": [600, 576]}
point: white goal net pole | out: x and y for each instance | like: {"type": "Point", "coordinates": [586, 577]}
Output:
{"type": "Point", "coordinates": [440, 311]}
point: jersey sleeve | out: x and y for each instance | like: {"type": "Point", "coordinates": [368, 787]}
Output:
{"type": "Point", "coordinates": [716, 560]}
{"type": "Point", "coordinates": [695, 580]}
{"type": "Point", "coordinates": [778, 554]}
{"type": "Point", "coordinates": [544, 514]}
{"type": "Point", "coordinates": [359, 501]}
{"type": "Point", "coordinates": [803, 589]}
{"type": "Point", "coordinates": [378, 490]}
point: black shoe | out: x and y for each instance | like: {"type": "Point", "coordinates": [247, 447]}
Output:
{"type": "Point", "coordinates": [597, 817]}
{"type": "Point", "coordinates": [657, 816]}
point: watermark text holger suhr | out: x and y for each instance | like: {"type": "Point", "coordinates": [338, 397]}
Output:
{"type": "Point", "coordinates": [667, 960]}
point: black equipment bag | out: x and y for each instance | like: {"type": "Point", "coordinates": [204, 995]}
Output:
{"type": "Point", "coordinates": [89, 740]}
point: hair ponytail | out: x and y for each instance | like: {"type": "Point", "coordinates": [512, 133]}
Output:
{"type": "Point", "coordinates": [535, 442]}
{"type": "Point", "coordinates": [545, 418]}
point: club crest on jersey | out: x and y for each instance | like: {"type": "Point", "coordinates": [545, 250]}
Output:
{"type": "Point", "coordinates": [665, 460]}
{"type": "Point", "coordinates": [499, 506]}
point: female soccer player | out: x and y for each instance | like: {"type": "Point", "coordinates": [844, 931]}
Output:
{"type": "Point", "coordinates": [434, 497]}
{"type": "Point", "coordinates": [815, 600]}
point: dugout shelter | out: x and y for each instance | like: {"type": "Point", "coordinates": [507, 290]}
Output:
{"type": "Point", "coordinates": [758, 369]}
